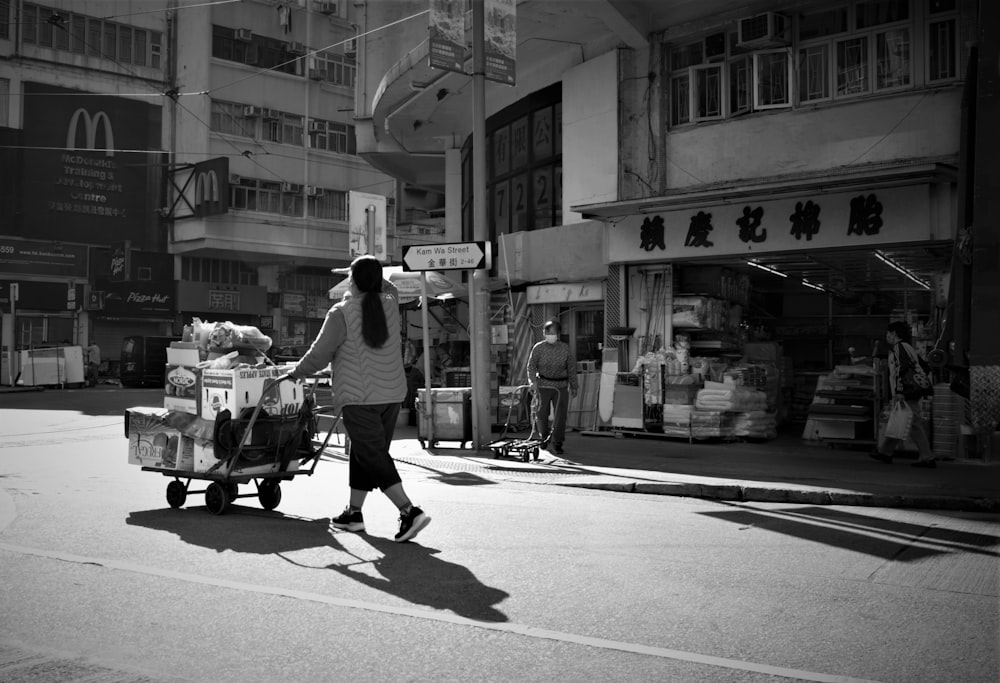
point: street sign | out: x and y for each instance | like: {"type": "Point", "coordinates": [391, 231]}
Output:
{"type": "Point", "coordinates": [455, 256]}
{"type": "Point", "coordinates": [13, 291]}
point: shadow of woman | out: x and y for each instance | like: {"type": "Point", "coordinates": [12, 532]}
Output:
{"type": "Point", "coordinates": [406, 570]}
{"type": "Point", "coordinates": [413, 573]}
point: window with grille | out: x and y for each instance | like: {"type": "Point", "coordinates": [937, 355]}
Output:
{"type": "Point", "coordinates": [217, 271]}
{"type": "Point", "coordinates": [86, 35]}
{"type": "Point", "coordinates": [230, 118]}
{"type": "Point", "coordinates": [862, 47]}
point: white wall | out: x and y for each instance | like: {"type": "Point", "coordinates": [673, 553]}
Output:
{"type": "Point", "coordinates": [568, 253]}
{"type": "Point", "coordinates": [920, 125]}
{"type": "Point", "coordinates": [590, 134]}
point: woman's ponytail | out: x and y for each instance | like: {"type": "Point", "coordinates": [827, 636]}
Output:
{"type": "Point", "coordinates": [366, 272]}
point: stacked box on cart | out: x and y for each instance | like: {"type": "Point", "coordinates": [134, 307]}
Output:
{"type": "Point", "coordinates": [183, 379]}
{"type": "Point", "coordinates": [152, 442]}
{"type": "Point", "coordinates": [237, 389]}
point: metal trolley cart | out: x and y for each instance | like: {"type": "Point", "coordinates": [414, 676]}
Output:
{"type": "Point", "coordinates": [518, 449]}
{"type": "Point", "coordinates": [250, 440]}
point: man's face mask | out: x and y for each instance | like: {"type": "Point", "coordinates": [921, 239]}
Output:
{"type": "Point", "coordinates": [551, 338]}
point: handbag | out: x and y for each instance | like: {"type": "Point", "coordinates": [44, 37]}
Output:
{"type": "Point", "coordinates": [913, 377]}
{"type": "Point", "coordinates": [900, 420]}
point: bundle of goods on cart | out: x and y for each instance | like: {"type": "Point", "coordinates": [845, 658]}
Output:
{"type": "Point", "coordinates": [228, 415]}
{"type": "Point", "coordinates": [729, 397]}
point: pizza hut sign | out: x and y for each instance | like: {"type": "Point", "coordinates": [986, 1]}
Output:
{"type": "Point", "coordinates": [119, 271]}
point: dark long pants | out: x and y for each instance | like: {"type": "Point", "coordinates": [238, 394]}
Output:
{"type": "Point", "coordinates": [555, 400]}
{"type": "Point", "coordinates": [370, 429]}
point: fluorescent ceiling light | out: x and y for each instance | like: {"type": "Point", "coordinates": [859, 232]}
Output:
{"type": "Point", "coordinates": [769, 269]}
{"type": "Point", "coordinates": [820, 288]}
{"type": "Point", "coordinates": [900, 269]}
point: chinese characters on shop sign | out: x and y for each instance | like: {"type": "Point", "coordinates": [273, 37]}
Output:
{"type": "Point", "coordinates": [865, 219]}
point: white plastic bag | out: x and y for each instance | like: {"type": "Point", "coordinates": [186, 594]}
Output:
{"type": "Point", "coordinates": [900, 419]}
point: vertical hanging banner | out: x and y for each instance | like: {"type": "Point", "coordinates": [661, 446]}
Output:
{"type": "Point", "coordinates": [501, 40]}
{"type": "Point", "coordinates": [447, 35]}
{"type": "Point", "coordinates": [120, 268]}
{"type": "Point", "coordinates": [367, 219]}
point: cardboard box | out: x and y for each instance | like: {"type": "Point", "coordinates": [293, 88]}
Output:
{"type": "Point", "coordinates": [168, 449]}
{"type": "Point", "coordinates": [188, 356]}
{"type": "Point", "coordinates": [240, 388]}
{"type": "Point", "coordinates": [182, 388]}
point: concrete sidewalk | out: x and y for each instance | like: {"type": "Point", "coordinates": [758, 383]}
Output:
{"type": "Point", "coordinates": [786, 469]}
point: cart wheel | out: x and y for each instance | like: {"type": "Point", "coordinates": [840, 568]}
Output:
{"type": "Point", "coordinates": [176, 494]}
{"type": "Point", "coordinates": [216, 498]}
{"type": "Point", "coordinates": [535, 453]}
{"type": "Point", "coordinates": [524, 455]}
{"type": "Point", "coordinates": [269, 495]}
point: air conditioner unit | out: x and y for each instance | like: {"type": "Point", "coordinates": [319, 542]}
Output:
{"type": "Point", "coordinates": [314, 191]}
{"type": "Point", "coordinates": [317, 74]}
{"type": "Point", "coordinates": [269, 114]}
{"type": "Point", "coordinates": [317, 126]}
{"type": "Point", "coordinates": [767, 29]}
{"type": "Point", "coordinates": [244, 34]}
{"type": "Point", "coordinates": [328, 7]}
{"type": "Point", "coordinates": [297, 48]}
{"type": "Point", "coordinates": [715, 47]}
{"type": "Point", "coordinates": [351, 47]}
{"type": "Point", "coordinates": [291, 188]}
{"type": "Point", "coordinates": [234, 179]}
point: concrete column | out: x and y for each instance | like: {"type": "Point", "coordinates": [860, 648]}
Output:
{"type": "Point", "coordinates": [984, 353]}
{"type": "Point", "coordinates": [452, 195]}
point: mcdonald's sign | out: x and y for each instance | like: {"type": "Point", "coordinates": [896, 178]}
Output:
{"type": "Point", "coordinates": [200, 189]}
{"type": "Point", "coordinates": [89, 158]}
{"type": "Point", "coordinates": [90, 130]}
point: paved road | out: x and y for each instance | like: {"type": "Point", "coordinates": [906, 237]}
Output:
{"type": "Point", "coordinates": [100, 580]}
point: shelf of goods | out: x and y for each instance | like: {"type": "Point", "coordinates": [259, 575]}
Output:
{"type": "Point", "coordinates": [845, 407]}
{"type": "Point", "coordinates": [686, 407]}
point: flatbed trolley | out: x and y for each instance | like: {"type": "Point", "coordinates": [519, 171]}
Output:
{"type": "Point", "coordinates": [296, 436]}
{"type": "Point", "coordinates": [518, 449]}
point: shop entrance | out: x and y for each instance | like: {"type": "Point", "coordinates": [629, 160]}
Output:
{"type": "Point", "coordinates": [583, 327]}
{"type": "Point", "coordinates": [807, 329]}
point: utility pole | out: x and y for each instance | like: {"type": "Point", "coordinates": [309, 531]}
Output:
{"type": "Point", "coordinates": [479, 295]}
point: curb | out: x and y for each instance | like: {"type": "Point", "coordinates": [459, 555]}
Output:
{"type": "Point", "coordinates": [758, 494]}
{"type": "Point", "coordinates": [19, 390]}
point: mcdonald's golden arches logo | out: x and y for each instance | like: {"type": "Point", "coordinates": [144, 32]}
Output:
{"type": "Point", "coordinates": [91, 127]}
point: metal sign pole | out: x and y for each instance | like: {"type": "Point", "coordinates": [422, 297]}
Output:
{"type": "Point", "coordinates": [479, 296]}
{"type": "Point", "coordinates": [428, 406]}
{"type": "Point", "coordinates": [13, 331]}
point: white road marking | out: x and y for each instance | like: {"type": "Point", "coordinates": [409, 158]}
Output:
{"type": "Point", "coordinates": [517, 629]}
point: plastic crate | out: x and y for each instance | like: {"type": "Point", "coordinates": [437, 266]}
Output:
{"type": "Point", "coordinates": [458, 377]}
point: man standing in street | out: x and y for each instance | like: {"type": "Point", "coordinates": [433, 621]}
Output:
{"type": "Point", "coordinates": [93, 353]}
{"type": "Point", "coordinates": [552, 376]}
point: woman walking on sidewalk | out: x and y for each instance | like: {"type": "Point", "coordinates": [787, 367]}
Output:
{"type": "Point", "coordinates": [361, 338]}
{"type": "Point", "coordinates": [903, 357]}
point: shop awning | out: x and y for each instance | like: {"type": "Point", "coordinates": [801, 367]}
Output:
{"type": "Point", "coordinates": [868, 178]}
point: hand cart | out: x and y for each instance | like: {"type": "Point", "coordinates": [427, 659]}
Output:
{"type": "Point", "coordinates": [246, 441]}
{"type": "Point", "coordinates": [518, 449]}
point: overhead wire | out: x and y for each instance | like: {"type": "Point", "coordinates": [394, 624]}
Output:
{"type": "Point", "coordinates": [168, 9]}
{"type": "Point", "coordinates": [58, 20]}
{"type": "Point", "coordinates": [309, 54]}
